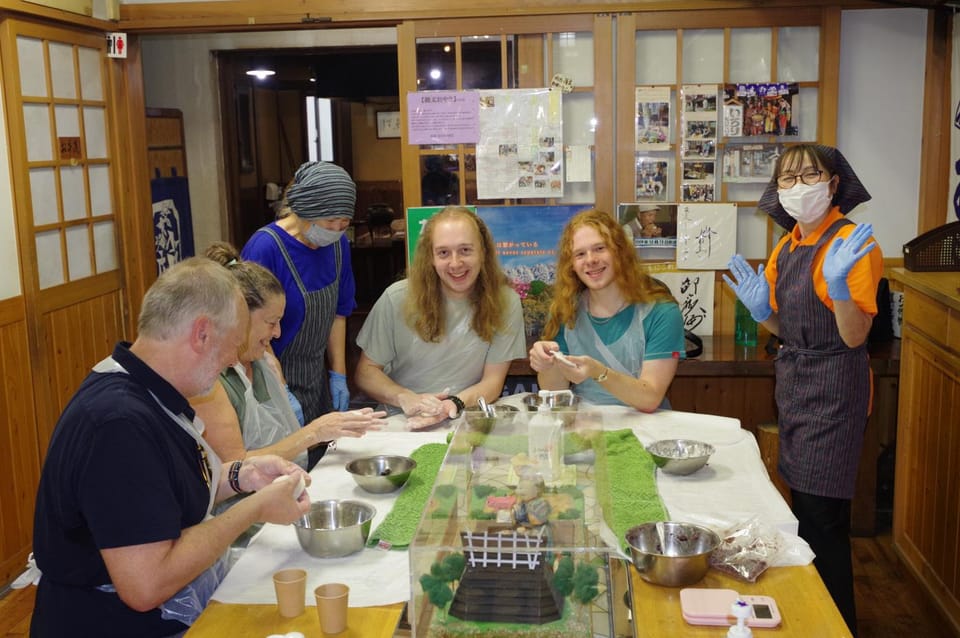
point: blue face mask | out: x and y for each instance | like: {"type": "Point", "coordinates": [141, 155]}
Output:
{"type": "Point", "coordinates": [320, 236]}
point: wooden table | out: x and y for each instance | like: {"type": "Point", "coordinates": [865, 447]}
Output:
{"type": "Point", "coordinates": [799, 592]}
{"type": "Point", "coordinates": [738, 382]}
{"type": "Point", "coordinates": [259, 621]}
{"type": "Point", "coordinates": [805, 606]}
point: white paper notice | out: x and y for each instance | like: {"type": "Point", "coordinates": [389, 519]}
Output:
{"type": "Point", "coordinates": [694, 292]}
{"type": "Point", "coordinates": [520, 153]}
{"type": "Point", "coordinates": [706, 235]}
{"type": "Point", "coordinates": [578, 163]}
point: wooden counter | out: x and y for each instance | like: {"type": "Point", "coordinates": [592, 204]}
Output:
{"type": "Point", "coordinates": [926, 524]}
{"type": "Point", "coordinates": [257, 621]}
{"type": "Point", "coordinates": [805, 606]}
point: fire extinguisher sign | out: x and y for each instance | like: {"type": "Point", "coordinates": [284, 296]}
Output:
{"type": "Point", "coordinates": [116, 45]}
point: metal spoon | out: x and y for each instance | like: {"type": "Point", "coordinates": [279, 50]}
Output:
{"type": "Point", "coordinates": [487, 410]}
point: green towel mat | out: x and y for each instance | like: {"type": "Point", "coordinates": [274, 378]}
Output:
{"type": "Point", "coordinates": [400, 524]}
{"type": "Point", "coordinates": [631, 485]}
{"type": "Point", "coordinates": [628, 488]}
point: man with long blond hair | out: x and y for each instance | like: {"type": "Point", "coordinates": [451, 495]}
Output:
{"type": "Point", "coordinates": [621, 328]}
{"type": "Point", "coordinates": [445, 336]}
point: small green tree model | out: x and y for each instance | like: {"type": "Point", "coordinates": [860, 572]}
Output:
{"type": "Point", "coordinates": [585, 581]}
{"type": "Point", "coordinates": [563, 576]}
{"type": "Point", "coordinates": [438, 592]}
{"type": "Point", "coordinates": [435, 584]}
{"type": "Point", "coordinates": [577, 580]}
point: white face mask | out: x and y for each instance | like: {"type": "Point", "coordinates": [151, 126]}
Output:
{"type": "Point", "coordinates": [320, 236]}
{"type": "Point", "coordinates": [806, 203]}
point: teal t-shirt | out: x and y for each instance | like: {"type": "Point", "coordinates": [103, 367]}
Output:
{"type": "Point", "coordinates": [662, 328]}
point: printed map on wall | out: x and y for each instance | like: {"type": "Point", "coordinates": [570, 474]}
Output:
{"type": "Point", "coordinates": [520, 152]}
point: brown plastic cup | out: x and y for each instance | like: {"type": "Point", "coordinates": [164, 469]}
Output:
{"type": "Point", "coordinates": [291, 586]}
{"type": "Point", "coordinates": [332, 607]}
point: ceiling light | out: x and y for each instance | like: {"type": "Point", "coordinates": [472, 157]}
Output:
{"type": "Point", "coordinates": [435, 74]}
{"type": "Point", "coordinates": [261, 73]}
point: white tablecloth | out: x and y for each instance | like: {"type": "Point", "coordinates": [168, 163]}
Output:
{"type": "Point", "coordinates": [732, 488]}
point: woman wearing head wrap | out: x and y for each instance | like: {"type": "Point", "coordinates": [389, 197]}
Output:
{"type": "Point", "coordinates": [818, 294]}
{"type": "Point", "coordinates": [307, 251]}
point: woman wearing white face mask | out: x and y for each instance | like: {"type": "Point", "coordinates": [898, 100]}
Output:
{"type": "Point", "coordinates": [307, 251]}
{"type": "Point", "coordinates": [818, 294]}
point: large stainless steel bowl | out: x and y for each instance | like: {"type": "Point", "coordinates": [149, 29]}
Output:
{"type": "Point", "coordinates": [381, 474]}
{"type": "Point", "coordinates": [335, 528]}
{"type": "Point", "coordinates": [680, 456]}
{"type": "Point", "coordinates": [670, 553]}
{"type": "Point", "coordinates": [563, 405]}
{"type": "Point", "coordinates": [480, 421]}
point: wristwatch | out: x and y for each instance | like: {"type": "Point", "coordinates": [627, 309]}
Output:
{"type": "Point", "coordinates": [457, 401]}
{"type": "Point", "coordinates": [600, 378]}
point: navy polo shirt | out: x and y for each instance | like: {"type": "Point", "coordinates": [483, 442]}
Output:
{"type": "Point", "coordinates": [119, 472]}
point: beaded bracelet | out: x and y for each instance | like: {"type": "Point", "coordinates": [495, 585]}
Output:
{"type": "Point", "coordinates": [233, 477]}
{"type": "Point", "coordinates": [458, 402]}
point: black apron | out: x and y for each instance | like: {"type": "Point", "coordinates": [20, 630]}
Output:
{"type": "Point", "coordinates": [303, 361]}
{"type": "Point", "coordinates": [823, 387]}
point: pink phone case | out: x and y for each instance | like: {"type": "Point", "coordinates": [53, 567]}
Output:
{"type": "Point", "coordinates": [712, 607]}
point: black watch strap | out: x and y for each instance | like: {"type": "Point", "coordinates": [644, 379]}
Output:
{"type": "Point", "coordinates": [457, 401]}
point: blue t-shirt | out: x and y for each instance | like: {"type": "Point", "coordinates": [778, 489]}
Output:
{"type": "Point", "coordinates": [119, 472]}
{"type": "Point", "coordinates": [317, 269]}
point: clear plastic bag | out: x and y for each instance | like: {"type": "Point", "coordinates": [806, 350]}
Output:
{"type": "Point", "coordinates": [186, 605]}
{"type": "Point", "coordinates": [747, 550]}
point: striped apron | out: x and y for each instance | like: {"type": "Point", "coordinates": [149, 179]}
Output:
{"type": "Point", "coordinates": [303, 361]}
{"type": "Point", "coordinates": [823, 387]}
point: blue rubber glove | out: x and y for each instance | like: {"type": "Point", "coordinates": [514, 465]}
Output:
{"type": "Point", "coordinates": [751, 287]}
{"type": "Point", "coordinates": [841, 257]}
{"type": "Point", "coordinates": [339, 392]}
{"type": "Point", "coordinates": [295, 404]}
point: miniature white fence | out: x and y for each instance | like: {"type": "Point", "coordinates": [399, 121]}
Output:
{"type": "Point", "coordinates": [499, 550]}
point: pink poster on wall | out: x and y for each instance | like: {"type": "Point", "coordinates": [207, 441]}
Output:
{"type": "Point", "coordinates": [443, 117]}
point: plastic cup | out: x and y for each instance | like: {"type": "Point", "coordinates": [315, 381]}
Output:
{"type": "Point", "coordinates": [291, 586]}
{"type": "Point", "coordinates": [332, 607]}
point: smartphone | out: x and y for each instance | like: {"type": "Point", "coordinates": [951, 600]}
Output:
{"type": "Point", "coordinates": [712, 607]}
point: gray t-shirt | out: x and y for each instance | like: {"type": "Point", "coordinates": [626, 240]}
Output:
{"type": "Point", "coordinates": [456, 362]}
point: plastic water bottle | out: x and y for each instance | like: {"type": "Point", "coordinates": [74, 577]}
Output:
{"type": "Point", "coordinates": [745, 328]}
{"type": "Point", "coordinates": [544, 442]}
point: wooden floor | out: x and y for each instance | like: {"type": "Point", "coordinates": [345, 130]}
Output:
{"type": "Point", "coordinates": [889, 602]}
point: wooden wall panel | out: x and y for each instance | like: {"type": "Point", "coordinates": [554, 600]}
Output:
{"type": "Point", "coordinates": [927, 498]}
{"type": "Point", "coordinates": [749, 399]}
{"type": "Point", "coordinates": [77, 337]}
{"type": "Point", "coordinates": [19, 450]}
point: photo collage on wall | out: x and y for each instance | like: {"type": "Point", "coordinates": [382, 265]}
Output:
{"type": "Point", "coordinates": [520, 151]}
{"type": "Point", "coordinates": [652, 117]}
{"type": "Point", "coordinates": [652, 179]}
{"type": "Point", "coordinates": [745, 163]}
{"type": "Point", "coordinates": [652, 226]}
{"type": "Point", "coordinates": [752, 110]}
{"type": "Point", "coordinates": [700, 119]}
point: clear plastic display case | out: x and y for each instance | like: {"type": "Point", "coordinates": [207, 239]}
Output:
{"type": "Point", "coordinates": [506, 547]}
